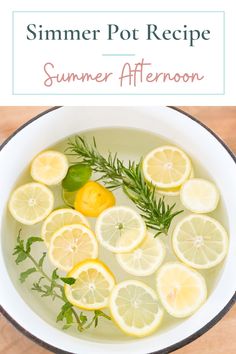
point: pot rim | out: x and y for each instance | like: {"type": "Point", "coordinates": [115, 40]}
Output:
{"type": "Point", "coordinates": [170, 348]}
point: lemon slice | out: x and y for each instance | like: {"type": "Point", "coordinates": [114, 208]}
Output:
{"type": "Point", "coordinates": [200, 241]}
{"type": "Point", "coordinates": [145, 259]}
{"type": "Point", "coordinates": [166, 167]}
{"type": "Point", "coordinates": [199, 195]}
{"type": "Point", "coordinates": [59, 218]}
{"type": "Point", "coordinates": [31, 203]}
{"type": "Point", "coordinates": [72, 244]}
{"type": "Point", "coordinates": [174, 192]}
{"type": "Point", "coordinates": [49, 167]}
{"type": "Point", "coordinates": [120, 229]}
{"type": "Point", "coordinates": [181, 289]}
{"type": "Point", "coordinates": [135, 309]}
{"type": "Point", "coordinates": [94, 282]}
{"type": "Point", "coordinates": [171, 192]}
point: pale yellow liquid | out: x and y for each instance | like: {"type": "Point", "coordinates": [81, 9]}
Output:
{"type": "Point", "coordinates": [130, 144]}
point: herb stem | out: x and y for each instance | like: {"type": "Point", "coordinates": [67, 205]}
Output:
{"type": "Point", "coordinates": [77, 319]}
{"type": "Point", "coordinates": [40, 270]}
{"type": "Point", "coordinates": [67, 313]}
{"type": "Point", "coordinates": [37, 266]}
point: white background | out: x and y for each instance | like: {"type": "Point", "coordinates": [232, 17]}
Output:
{"type": "Point", "coordinates": [6, 97]}
{"type": "Point", "coordinates": [86, 56]}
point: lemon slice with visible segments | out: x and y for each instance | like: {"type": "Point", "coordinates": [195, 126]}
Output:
{"type": "Point", "coordinates": [199, 195]}
{"type": "Point", "coordinates": [200, 241]}
{"type": "Point", "coordinates": [166, 167]}
{"type": "Point", "coordinates": [94, 282]}
{"type": "Point", "coordinates": [72, 244]}
{"type": "Point", "coordinates": [135, 309]}
{"type": "Point", "coordinates": [145, 259]}
{"type": "Point", "coordinates": [181, 289]}
{"type": "Point", "coordinates": [31, 203]}
{"type": "Point", "coordinates": [59, 218]}
{"type": "Point", "coordinates": [49, 167]}
{"type": "Point", "coordinates": [120, 229]}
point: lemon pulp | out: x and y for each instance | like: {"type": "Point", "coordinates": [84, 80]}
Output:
{"type": "Point", "coordinates": [94, 282]}
{"type": "Point", "coordinates": [135, 309]}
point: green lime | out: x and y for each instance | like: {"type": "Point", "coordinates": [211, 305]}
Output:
{"type": "Point", "coordinates": [76, 177]}
{"type": "Point", "coordinates": [69, 197]}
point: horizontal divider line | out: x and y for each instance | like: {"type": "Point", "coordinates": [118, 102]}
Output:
{"type": "Point", "coordinates": [118, 55]}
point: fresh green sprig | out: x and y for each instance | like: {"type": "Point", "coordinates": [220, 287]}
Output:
{"type": "Point", "coordinates": [157, 214]}
{"type": "Point", "coordinates": [50, 286]}
{"type": "Point", "coordinates": [110, 168]}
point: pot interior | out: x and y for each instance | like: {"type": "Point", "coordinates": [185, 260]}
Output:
{"type": "Point", "coordinates": [131, 143]}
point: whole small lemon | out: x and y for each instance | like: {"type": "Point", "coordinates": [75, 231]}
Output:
{"type": "Point", "coordinates": [93, 198]}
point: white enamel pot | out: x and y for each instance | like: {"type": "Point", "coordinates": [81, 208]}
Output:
{"type": "Point", "coordinates": [25, 310]}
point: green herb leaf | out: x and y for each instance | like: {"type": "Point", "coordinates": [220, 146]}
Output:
{"type": "Point", "coordinates": [83, 318]}
{"type": "Point", "coordinates": [21, 257]}
{"type": "Point", "coordinates": [30, 241]}
{"type": "Point", "coordinates": [36, 286]}
{"type": "Point", "coordinates": [69, 316]}
{"type": "Point", "coordinates": [47, 291]}
{"type": "Point", "coordinates": [65, 313]}
{"type": "Point", "coordinates": [42, 259]}
{"type": "Point", "coordinates": [66, 326]}
{"type": "Point", "coordinates": [102, 314]}
{"type": "Point", "coordinates": [55, 275]}
{"type": "Point", "coordinates": [68, 280]}
{"type": "Point", "coordinates": [96, 322]}
{"type": "Point", "coordinates": [60, 316]}
{"type": "Point", "coordinates": [24, 275]}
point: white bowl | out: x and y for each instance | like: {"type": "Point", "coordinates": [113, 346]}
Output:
{"type": "Point", "coordinates": [31, 314]}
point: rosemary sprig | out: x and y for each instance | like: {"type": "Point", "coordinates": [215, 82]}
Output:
{"type": "Point", "coordinates": [157, 214]}
{"type": "Point", "coordinates": [51, 286]}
